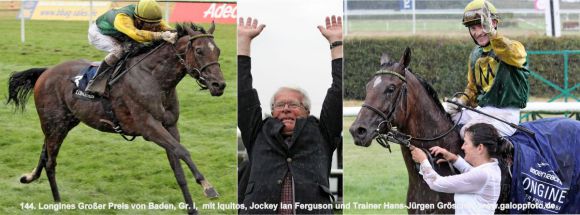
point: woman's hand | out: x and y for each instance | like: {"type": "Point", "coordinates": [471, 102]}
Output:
{"type": "Point", "coordinates": [448, 156]}
{"type": "Point", "coordinates": [418, 154]}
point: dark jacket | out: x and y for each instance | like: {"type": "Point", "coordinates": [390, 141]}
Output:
{"type": "Point", "coordinates": [309, 157]}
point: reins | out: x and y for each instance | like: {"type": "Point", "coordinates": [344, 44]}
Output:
{"type": "Point", "coordinates": [190, 70]}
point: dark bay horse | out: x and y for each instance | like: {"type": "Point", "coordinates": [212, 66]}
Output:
{"type": "Point", "coordinates": [144, 101]}
{"type": "Point", "coordinates": [395, 96]}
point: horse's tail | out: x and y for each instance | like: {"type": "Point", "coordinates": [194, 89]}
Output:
{"type": "Point", "coordinates": [20, 86]}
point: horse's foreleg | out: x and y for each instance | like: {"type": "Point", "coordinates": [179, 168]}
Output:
{"type": "Point", "coordinates": [153, 130]}
{"type": "Point", "coordinates": [208, 189]}
{"type": "Point", "coordinates": [181, 180]}
{"type": "Point", "coordinates": [35, 174]}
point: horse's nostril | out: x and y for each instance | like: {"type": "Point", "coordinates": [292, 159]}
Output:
{"type": "Point", "coordinates": [215, 85]}
{"type": "Point", "coordinates": [361, 131]}
{"type": "Point", "coordinates": [222, 86]}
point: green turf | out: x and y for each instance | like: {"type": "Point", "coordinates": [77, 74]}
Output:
{"type": "Point", "coordinates": [373, 175]}
{"type": "Point", "coordinates": [102, 168]}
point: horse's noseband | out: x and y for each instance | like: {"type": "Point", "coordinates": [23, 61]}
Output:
{"type": "Point", "coordinates": [193, 71]}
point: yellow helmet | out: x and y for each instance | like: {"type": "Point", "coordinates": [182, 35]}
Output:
{"type": "Point", "coordinates": [471, 14]}
{"type": "Point", "coordinates": [148, 11]}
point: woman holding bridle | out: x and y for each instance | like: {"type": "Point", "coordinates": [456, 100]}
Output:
{"type": "Point", "coordinates": [477, 188]}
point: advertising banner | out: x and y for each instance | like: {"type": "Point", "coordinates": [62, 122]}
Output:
{"type": "Point", "coordinates": [69, 10]}
{"type": "Point", "coordinates": [204, 12]}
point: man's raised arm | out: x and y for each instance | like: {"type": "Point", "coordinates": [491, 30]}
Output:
{"type": "Point", "coordinates": [249, 111]}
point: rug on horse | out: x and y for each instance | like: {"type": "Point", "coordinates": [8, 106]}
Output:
{"type": "Point", "coordinates": [546, 170]}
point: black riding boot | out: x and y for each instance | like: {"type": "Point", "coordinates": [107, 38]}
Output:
{"type": "Point", "coordinates": [98, 84]}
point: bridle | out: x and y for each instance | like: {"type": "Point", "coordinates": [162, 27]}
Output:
{"type": "Point", "coordinates": [388, 134]}
{"type": "Point", "coordinates": [385, 131]}
{"type": "Point", "coordinates": [193, 71]}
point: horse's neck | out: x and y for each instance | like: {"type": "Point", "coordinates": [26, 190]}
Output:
{"type": "Point", "coordinates": [161, 66]}
{"type": "Point", "coordinates": [425, 120]}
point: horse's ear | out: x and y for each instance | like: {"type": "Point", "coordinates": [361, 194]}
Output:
{"type": "Point", "coordinates": [385, 58]}
{"type": "Point", "coordinates": [406, 59]}
{"type": "Point", "coordinates": [211, 27]}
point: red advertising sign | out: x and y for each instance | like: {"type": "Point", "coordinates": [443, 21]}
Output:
{"type": "Point", "coordinates": [204, 12]}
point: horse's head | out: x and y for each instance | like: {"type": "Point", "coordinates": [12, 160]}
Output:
{"type": "Point", "coordinates": [384, 99]}
{"type": "Point", "coordinates": [199, 54]}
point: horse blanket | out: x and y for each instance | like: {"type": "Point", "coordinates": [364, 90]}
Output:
{"type": "Point", "coordinates": [546, 170]}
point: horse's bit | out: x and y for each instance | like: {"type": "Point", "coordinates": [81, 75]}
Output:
{"type": "Point", "coordinates": [193, 71]}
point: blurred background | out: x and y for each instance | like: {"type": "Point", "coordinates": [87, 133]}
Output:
{"type": "Point", "coordinates": [437, 17]}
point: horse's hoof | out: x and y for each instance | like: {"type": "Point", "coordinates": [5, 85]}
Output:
{"type": "Point", "coordinates": [211, 193]}
{"type": "Point", "coordinates": [24, 180]}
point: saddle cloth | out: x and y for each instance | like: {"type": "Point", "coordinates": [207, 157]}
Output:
{"type": "Point", "coordinates": [81, 81]}
{"type": "Point", "coordinates": [546, 170]}
{"type": "Point", "coordinates": [85, 75]}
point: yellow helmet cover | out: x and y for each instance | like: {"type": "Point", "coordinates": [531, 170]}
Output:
{"type": "Point", "coordinates": [148, 11]}
{"type": "Point", "coordinates": [473, 10]}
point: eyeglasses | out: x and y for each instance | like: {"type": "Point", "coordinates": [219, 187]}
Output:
{"type": "Point", "coordinates": [279, 105]}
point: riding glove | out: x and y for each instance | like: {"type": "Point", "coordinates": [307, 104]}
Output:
{"type": "Point", "coordinates": [452, 109]}
{"type": "Point", "coordinates": [168, 36]}
{"type": "Point", "coordinates": [487, 20]}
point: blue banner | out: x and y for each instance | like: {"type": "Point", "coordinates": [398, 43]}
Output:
{"type": "Point", "coordinates": [406, 4]}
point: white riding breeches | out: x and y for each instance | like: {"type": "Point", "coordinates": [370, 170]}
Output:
{"type": "Point", "coordinates": [469, 118]}
{"type": "Point", "coordinates": [105, 43]}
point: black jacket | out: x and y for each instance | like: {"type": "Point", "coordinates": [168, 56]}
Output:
{"type": "Point", "coordinates": [309, 157]}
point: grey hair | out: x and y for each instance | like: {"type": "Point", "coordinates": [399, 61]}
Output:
{"type": "Point", "coordinates": [305, 99]}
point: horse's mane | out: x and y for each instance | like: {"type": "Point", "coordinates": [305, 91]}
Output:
{"type": "Point", "coordinates": [187, 28]}
{"type": "Point", "coordinates": [431, 92]}
{"type": "Point", "coordinates": [183, 29]}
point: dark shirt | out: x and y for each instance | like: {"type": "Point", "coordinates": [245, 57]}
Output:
{"type": "Point", "coordinates": [308, 158]}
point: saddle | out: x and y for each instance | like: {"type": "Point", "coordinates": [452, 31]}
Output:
{"type": "Point", "coordinates": [118, 70]}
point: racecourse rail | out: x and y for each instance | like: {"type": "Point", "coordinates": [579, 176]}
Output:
{"type": "Point", "coordinates": [535, 108]}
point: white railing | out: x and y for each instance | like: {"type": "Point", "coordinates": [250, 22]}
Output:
{"type": "Point", "coordinates": [544, 107]}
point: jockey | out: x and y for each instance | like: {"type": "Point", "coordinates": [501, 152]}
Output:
{"type": "Point", "coordinates": [140, 23]}
{"type": "Point", "coordinates": [497, 74]}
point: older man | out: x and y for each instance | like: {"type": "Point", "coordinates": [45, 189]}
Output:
{"type": "Point", "coordinates": [290, 153]}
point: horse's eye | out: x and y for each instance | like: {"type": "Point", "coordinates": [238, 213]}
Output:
{"type": "Point", "coordinates": [390, 89]}
{"type": "Point", "coordinates": [198, 51]}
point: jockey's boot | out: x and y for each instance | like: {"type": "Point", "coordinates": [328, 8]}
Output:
{"type": "Point", "coordinates": [98, 84]}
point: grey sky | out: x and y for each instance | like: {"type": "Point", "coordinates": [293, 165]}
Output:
{"type": "Point", "coordinates": [291, 51]}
